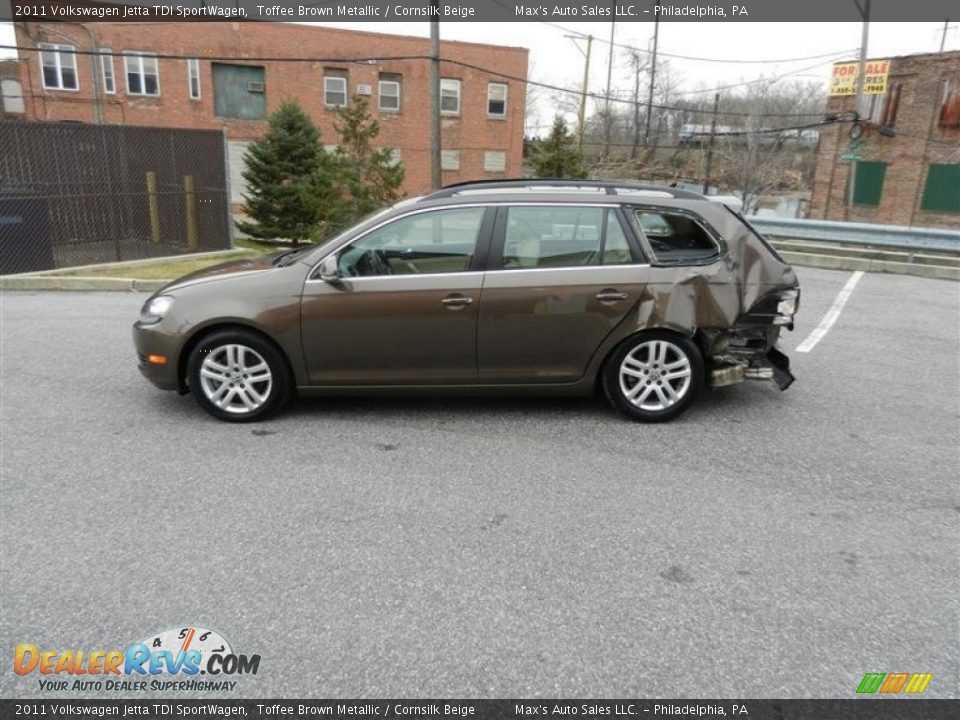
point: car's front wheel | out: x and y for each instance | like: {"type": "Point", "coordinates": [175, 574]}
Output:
{"type": "Point", "coordinates": [238, 376]}
{"type": "Point", "coordinates": [654, 376]}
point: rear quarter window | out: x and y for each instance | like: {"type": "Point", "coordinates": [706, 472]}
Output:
{"type": "Point", "coordinates": [676, 237]}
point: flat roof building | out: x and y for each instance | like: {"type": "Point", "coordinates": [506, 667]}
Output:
{"type": "Point", "coordinates": [907, 159]}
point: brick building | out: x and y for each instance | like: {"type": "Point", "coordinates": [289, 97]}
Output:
{"type": "Point", "coordinates": [130, 81]}
{"type": "Point", "coordinates": [909, 171]}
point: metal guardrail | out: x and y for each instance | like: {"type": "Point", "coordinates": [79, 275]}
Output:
{"type": "Point", "coordinates": [898, 236]}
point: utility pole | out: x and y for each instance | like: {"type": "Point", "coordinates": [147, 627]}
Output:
{"type": "Point", "coordinates": [858, 102]}
{"type": "Point", "coordinates": [582, 111]}
{"type": "Point", "coordinates": [436, 177]}
{"type": "Point", "coordinates": [943, 37]}
{"type": "Point", "coordinates": [713, 132]}
{"type": "Point", "coordinates": [653, 72]}
{"type": "Point", "coordinates": [608, 121]}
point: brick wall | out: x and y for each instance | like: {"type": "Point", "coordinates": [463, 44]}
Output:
{"type": "Point", "coordinates": [472, 132]}
{"type": "Point", "coordinates": [918, 143]}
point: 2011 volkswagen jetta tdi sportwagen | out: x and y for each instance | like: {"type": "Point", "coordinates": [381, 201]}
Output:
{"type": "Point", "coordinates": [554, 287]}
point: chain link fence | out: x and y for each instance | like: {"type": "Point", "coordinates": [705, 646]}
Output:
{"type": "Point", "coordinates": [77, 194]}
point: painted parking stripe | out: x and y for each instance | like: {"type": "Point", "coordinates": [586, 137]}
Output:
{"type": "Point", "coordinates": [832, 314]}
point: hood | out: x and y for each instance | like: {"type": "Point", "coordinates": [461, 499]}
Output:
{"type": "Point", "coordinates": [222, 271]}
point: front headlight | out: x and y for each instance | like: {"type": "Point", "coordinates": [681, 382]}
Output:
{"type": "Point", "coordinates": [155, 308]}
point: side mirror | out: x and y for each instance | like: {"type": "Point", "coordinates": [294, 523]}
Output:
{"type": "Point", "coordinates": [329, 272]}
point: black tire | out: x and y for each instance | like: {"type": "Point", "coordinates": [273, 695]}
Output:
{"type": "Point", "coordinates": [653, 386]}
{"type": "Point", "coordinates": [250, 351]}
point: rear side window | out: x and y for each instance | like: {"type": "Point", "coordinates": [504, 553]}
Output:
{"type": "Point", "coordinates": [675, 236]}
{"type": "Point", "coordinates": [555, 237]}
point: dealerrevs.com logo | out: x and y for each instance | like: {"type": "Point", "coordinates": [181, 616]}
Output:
{"type": "Point", "coordinates": [168, 661]}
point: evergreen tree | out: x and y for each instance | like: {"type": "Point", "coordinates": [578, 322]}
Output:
{"type": "Point", "coordinates": [363, 179]}
{"type": "Point", "coordinates": [557, 156]}
{"type": "Point", "coordinates": [280, 171]}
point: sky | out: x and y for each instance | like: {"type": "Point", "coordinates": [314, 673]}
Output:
{"type": "Point", "coordinates": [763, 50]}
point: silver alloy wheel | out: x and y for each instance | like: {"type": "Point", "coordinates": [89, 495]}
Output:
{"type": "Point", "coordinates": [236, 378]}
{"type": "Point", "coordinates": [655, 375]}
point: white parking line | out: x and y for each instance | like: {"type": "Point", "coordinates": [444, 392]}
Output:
{"type": "Point", "coordinates": [832, 314]}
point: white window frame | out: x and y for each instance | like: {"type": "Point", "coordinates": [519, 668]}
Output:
{"type": "Point", "coordinates": [139, 56]}
{"type": "Point", "coordinates": [58, 52]}
{"type": "Point", "coordinates": [450, 160]}
{"type": "Point", "coordinates": [380, 95]}
{"type": "Point", "coordinates": [451, 84]}
{"type": "Point", "coordinates": [193, 73]}
{"type": "Point", "coordinates": [106, 63]}
{"type": "Point", "coordinates": [326, 90]}
{"type": "Point", "coordinates": [506, 92]}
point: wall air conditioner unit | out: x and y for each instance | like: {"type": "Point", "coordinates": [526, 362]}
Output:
{"type": "Point", "coordinates": [364, 90]}
{"type": "Point", "coordinates": [255, 87]}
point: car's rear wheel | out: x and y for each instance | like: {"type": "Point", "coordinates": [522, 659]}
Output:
{"type": "Point", "coordinates": [654, 376]}
{"type": "Point", "coordinates": [238, 376]}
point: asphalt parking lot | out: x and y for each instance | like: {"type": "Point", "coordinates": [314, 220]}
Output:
{"type": "Point", "coordinates": [764, 545]}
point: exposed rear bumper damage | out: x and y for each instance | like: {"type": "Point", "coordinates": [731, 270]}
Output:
{"type": "Point", "coordinates": [749, 353]}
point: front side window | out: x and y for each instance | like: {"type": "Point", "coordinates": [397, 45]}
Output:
{"type": "Point", "coordinates": [675, 236]}
{"type": "Point", "coordinates": [143, 74]}
{"type": "Point", "coordinates": [440, 241]}
{"type": "Point", "coordinates": [497, 100]}
{"type": "Point", "coordinates": [334, 91]}
{"type": "Point", "coordinates": [193, 78]}
{"type": "Point", "coordinates": [58, 64]}
{"type": "Point", "coordinates": [555, 237]}
{"type": "Point", "coordinates": [449, 96]}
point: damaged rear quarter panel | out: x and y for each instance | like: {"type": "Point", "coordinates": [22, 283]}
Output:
{"type": "Point", "coordinates": [711, 297]}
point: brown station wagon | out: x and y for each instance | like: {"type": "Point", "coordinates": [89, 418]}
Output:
{"type": "Point", "coordinates": [649, 294]}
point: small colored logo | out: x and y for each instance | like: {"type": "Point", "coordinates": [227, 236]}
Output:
{"type": "Point", "coordinates": [894, 683]}
{"type": "Point", "coordinates": [179, 654]}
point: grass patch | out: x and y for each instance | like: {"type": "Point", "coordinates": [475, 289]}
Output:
{"type": "Point", "coordinates": [169, 270]}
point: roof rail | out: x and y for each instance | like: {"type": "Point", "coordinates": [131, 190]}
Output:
{"type": "Point", "coordinates": [610, 186]}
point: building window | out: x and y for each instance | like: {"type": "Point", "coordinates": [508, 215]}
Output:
{"type": "Point", "coordinates": [106, 71]}
{"type": "Point", "coordinates": [335, 88]}
{"type": "Point", "coordinates": [882, 109]}
{"type": "Point", "coordinates": [389, 93]}
{"type": "Point", "coordinates": [239, 91]}
{"type": "Point", "coordinates": [942, 191]}
{"type": "Point", "coordinates": [143, 74]}
{"type": "Point", "coordinates": [193, 78]}
{"type": "Point", "coordinates": [868, 183]}
{"type": "Point", "coordinates": [949, 116]}
{"type": "Point", "coordinates": [58, 65]}
{"type": "Point", "coordinates": [11, 96]}
{"type": "Point", "coordinates": [497, 100]}
{"type": "Point", "coordinates": [495, 161]}
{"type": "Point", "coordinates": [396, 156]}
{"type": "Point", "coordinates": [449, 96]}
{"type": "Point", "coordinates": [449, 159]}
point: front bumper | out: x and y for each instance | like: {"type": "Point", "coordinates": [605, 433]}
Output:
{"type": "Point", "coordinates": [149, 341]}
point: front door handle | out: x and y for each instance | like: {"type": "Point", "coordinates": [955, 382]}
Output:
{"type": "Point", "coordinates": [610, 296]}
{"type": "Point", "coordinates": [455, 302]}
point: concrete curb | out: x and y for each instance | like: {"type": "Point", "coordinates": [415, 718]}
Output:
{"type": "Point", "coordinates": [139, 263]}
{"type": "Point", "coordinates": [35, 282]}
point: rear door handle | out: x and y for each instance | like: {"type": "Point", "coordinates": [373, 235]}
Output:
{"type": "Point", "coordinates": [457, 301]}
{"type": "Point", "coordinates": [610, 296]}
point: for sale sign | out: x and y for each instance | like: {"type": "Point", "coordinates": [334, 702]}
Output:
{"type": "Point", "coordinates": [844, 78]}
